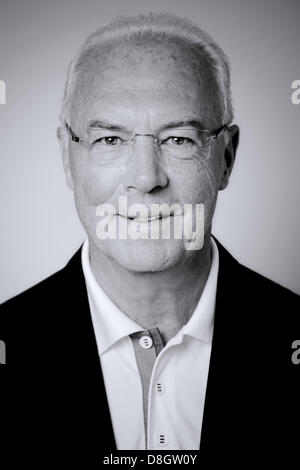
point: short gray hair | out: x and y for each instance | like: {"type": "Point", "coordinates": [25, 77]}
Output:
{"type": "Point", "coordinates": [161, 26]}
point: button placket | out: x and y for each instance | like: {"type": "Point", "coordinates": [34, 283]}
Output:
{"type": "Point", "coordinates": [162, 440]}
{"type": "Point", "coordinates": [156, 437]}
{"type": "Point", "coordinates": [160, 387]}
{"type": "Point", "coordinates": [146, 342]}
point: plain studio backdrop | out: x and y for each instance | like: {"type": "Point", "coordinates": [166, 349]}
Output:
{"type": "Point", "coordinates": [257, 216]}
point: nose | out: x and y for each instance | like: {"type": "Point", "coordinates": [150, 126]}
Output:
{"type": "Point", "coordinates": [143, 170]}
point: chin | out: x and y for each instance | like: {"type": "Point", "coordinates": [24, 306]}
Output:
{"type": "Point", "coordinates": [144, 255]}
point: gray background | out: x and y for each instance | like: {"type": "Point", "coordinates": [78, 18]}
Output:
{"type": "Point", "coordinates": [257, 217]}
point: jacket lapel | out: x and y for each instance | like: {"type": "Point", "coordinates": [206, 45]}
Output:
{"type": "Point", "coordinates": [85, 374]}
{"type": "Point", "coordinates": [218, 420]}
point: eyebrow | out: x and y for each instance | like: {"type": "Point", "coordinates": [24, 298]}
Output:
{"type": "Point", "coordinates": [195, 123]}
{"type": "Point", "coordinates": [103, 124]}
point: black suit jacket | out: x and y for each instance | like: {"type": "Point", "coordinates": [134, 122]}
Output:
{"type": "Point", "coordinates": [52, 386]}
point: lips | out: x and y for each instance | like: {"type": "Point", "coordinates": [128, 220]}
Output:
{"type": "Point", "coordinates": [145, 219]}
{"type": "Point", "coordinates": [138, 218]}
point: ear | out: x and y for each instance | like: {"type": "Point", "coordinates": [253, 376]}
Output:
{"type": "Point", "coordinates": [63, 141]}
{"type": "Point", "coordinates": [232, 142]}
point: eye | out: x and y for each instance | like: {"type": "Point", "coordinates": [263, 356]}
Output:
{"type": "Point", "coordinates": [109, 140]}
{"type": "Point", "coordinates": [178, 141]}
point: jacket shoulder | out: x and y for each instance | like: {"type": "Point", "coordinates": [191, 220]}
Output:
{"type": "Point", "coordinates": [42, 297]}
{"type": "Point", "coordinates": [256, 292]}
{"type": "Point", "coordinates": [266, 285]}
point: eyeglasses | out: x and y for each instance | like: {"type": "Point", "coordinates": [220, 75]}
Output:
{"type": "Point", "coordinates": [182, 144]}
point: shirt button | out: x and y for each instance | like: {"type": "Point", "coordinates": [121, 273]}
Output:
{"type": "Point", "coordinates": [160, 388]}
{"type": "Point", "coordinates": [162, 440]}
{"type": "Point", "coordinates": [146, 342]}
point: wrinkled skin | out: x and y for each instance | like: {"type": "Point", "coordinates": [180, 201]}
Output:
{"type": "Point", "coordinates": [143, 86]}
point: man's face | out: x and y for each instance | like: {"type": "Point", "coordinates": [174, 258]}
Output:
{"type": "Point", "coordinates": [143, 88]}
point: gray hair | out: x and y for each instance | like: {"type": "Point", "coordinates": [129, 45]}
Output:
{"type": "Point", "coordinates": [162, 26]}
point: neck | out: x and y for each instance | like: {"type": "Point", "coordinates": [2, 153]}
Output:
{"type": "Point", "coordinates": [164, 299]}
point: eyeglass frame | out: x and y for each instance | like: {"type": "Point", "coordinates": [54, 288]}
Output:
{"type": "Point", "coordinates": [215, 134]}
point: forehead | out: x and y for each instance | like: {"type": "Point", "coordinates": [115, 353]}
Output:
{"type": "Point", "coordinates": [152, 79]}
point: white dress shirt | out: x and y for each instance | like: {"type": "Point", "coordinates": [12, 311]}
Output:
{"type": "Point", "coordinates": [175, 408]}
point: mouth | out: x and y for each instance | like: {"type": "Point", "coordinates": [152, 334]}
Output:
{"type": "Point", "coordinates": [139, 219]}
{"type": "Point", "coordinates": [145, 219]}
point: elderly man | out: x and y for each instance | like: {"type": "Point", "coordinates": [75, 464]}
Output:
{"type": "Point", "coordinates": [145, 341]}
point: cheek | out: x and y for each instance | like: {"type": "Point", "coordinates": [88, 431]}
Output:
{"type": "Point", "coordinates": [195, 182]}
{"type": "Point", "coordinates": [209, 185]}
{"type": "Point", "coordinates": [95, 185]}
{"type": "Point", "coordinates": [207, 179]}
{"type": "Point", "coordinates": [198, 183]}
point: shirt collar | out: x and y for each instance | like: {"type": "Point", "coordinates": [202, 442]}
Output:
{"type": "Point", "coordinates": [200, 324]}
{"type": "Point", "coordinates": [111, 324]}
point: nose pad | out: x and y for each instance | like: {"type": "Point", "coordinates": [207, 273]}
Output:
{"type": "Point", "coordinates": [143, 169]}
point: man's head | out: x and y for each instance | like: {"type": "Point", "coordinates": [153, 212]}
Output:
{"type": "Point", "coordinates": [154, 75]}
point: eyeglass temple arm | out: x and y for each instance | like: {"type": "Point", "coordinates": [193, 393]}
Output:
{"type": "Point", "coordinates": [73, 136]}
{"type": "Point", "coordinates": [219, 131]}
